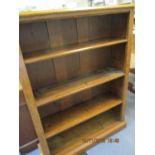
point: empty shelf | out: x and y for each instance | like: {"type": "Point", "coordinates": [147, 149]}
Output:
{"type": "Point", "coordinates": [75, 115]}
{"type": "Point", "coordinates": [47, 95]}
{"type": "Point", "coordinates": [36, 56]}
{"type": "Point", "coordinates": [85, 135]}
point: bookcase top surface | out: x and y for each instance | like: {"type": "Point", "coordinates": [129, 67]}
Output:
{"type": "Point", "coordinates": [43, 15]}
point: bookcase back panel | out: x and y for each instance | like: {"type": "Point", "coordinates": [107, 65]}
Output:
{"type": "Point", "coordinates": [41, 74]}
{"type": "Point", "coordinates": [60, 33]}
{"type": "Point", "coordinates": [119, 25]}
{"type": "Point", "coordinates": [60, 70]}
{"type": "Point", "coordinates": [118, 56]}
{"type": "Point", "coordinates": [33, 37]}
{"type": "Point", "coordinates": [93, 28]}
{"type": "Point", "coordinates": [116, 87]}
{"type": "Point", "coordinates": [72, 100]}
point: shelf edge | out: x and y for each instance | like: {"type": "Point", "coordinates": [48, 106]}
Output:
{"type": "Point", "coordinates": [119, 102]}
{"type": "Point", "coordinates": [110, 130]}
{"type": "Point", "coordinates": [64, 52]}
{"type": "Point", "coordinates": [99, 137]}
{"type": "Point", "coordinates": [47, 100]}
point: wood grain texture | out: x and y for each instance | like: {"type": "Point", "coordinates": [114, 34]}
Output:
{"type": "Point", "coordinates": [118, 56]}
{"type": "Point", "coordinates": [127, 61]}
{"type": "Point", "coordinates": [41, 74]}
{"type": "Point", "coordinates": [58, 32]}
{"type": "Point", "coordinates": [86, 135]}
{"type": "Point", "coordinates": [76, 99]}
{"type": "Point", "coordinates": [119, 25]}
{"type": "Point", "coordinates": [44, 96]}
{"type": "Point", "coordinates": [66, 54]}
{"type": "Point", "coordinates": [35, 16]}
{"type": "Point", "coordinates": [33, 37]}
{"type": "Point", "coordinates": [27, 135]}
{"type": "Point", "coordinates": [32, 105]}
{"type": "Point", "coordinates": [85, 58]}
{"type": "Point", "coordinates": [75, 115]}
{"type": "Point", "coordinates": [28, 146]}
{"type": "Point", "coordinates": [61, 65]}
{"type": "Point", "coordinates": [59, 37]}
{"type": "Point", "coordinates": [50, 54]}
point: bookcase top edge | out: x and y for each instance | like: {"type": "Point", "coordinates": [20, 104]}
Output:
{"type": "Point", "coordinates": [44, 15]}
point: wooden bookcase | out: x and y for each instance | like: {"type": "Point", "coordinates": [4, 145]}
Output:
{"type": "Point", "coordinates": [74, 72]}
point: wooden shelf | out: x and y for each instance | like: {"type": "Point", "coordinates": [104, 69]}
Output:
{"type": "Point", "coordinates": [46, 95]}
{"type": "Point", "coordinates": [85, 135]}
{"type": "Point", "coordinates": [61, 121]}
{"type": "Point", "coordinates": [41, 55]}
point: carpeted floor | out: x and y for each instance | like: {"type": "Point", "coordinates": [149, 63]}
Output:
{"type": "Point", "coordinates": [126, 145]}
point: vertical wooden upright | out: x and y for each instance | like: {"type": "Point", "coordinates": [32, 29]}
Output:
{"type": "Point", "coordinates": [27, 89]}
{"type": "Point", "coordinates": [127, 61]}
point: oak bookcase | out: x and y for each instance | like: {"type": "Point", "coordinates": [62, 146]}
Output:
{"type": "Point", "coordinates": [74, 72]}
